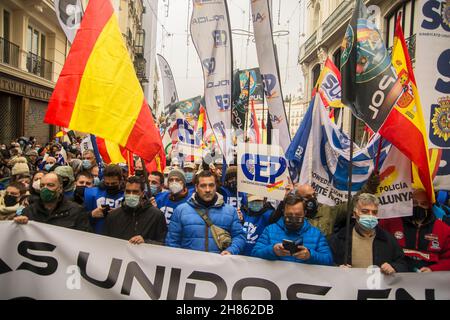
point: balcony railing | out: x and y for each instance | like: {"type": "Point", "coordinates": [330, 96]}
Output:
{"type": "Point", "coordinates": [341, 14]}
{"type": "Point", "coordinates": [39, 66]}
{"type": "Point", "coordinates": [311, 42]}
{"type": "Point", "coordinates": [9, 53]}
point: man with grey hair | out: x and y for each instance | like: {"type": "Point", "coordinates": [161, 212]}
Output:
{"type": "Point", "coordinates": [368, 244]}
{"type": "Point", "coordinates": [324, 217]}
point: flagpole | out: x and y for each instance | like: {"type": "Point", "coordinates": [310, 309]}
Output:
{"type": "Point", "coordinates": [144, 171]}
{"type": "Point", "coordinates": [378, 154]}
{"type": "Point", "coordinates": [349, 201]}
{"type": "Point", "coordinates": [246, 123]}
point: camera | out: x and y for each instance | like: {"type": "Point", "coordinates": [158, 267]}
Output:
{"type": "Point", "coordinates": [290, 246]}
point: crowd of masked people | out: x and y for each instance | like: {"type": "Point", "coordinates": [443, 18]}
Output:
{"type": "Point", "coordinates": [198, 207]}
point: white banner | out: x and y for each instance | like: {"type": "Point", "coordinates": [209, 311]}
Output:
{"type": "Point", "coordinates": [325, 166]}
{"type": "Point", "coordinates": [45, 262]}
{"type": "Point", "coordinates": [169, 88]}
{"type": "Point", "coordinates": [211, 35]}
{"type": "Point", "coordinates": [262, 27]}
{"type": "Point", "coordinates": [432, 69]}
{"type": "Point", "coordinates": [69, 14]}
{"type": "Point", "coordinates": [262, 170]}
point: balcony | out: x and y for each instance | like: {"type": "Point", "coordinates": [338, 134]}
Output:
{"type": "Point", "coordinates": [310, 43]}
{"type": "Point", "coordinates": [140, 41]}
{"type": "Point", "coordinates": [139, 66]}
{"type": "Point", "coordinates": [9, 53]}
{"type": "Point", "coordinates": [39, 66]}
{"type": "Point", "coordinates": [330, 26]}
{"type": "Point", "coordinates": [342, 13]}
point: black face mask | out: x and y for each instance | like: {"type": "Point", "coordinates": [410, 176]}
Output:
{"type": "Point", "coordinates": [231, 185]}
{"type": "Point", "coordinates": [10, 200]}
{"type": "Point", "coordinates": [79, 194]}
{"type": "Point", "coordinates": [65, 183]}
{"type": "Point", "coordinates": [139, 173]}
{"type": "Point", "coordinates": [113, 190]}
{"type": "Point", "coordinates": [311, 207]}
{"type": "Point", "coordinates": [293, 224]}
{"type": "Point", "coordinates": [419, 213]}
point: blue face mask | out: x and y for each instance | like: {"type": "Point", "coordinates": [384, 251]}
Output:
{"type": "Point", "coordinates": [48, 166]}
{"type": "Point", "coordinates": [154, 190]}
{"type": "Point", "coordinates": [86, 164]}
{"type": "Point", "coordinates": [189, 176]}
{"type": "Point", "coordinates": [96, 181]}
{"type": "Point", "coordinates": [368, 222]}
{"type": "Point", "coordinates": [255, 206]}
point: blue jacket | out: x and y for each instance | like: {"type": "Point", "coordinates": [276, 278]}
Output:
{"type": "Point", "coordinates": [167, 206]}
{"type": "Point", "coordinates": [233, 199]}
{"type": "Point", "coordinates": [313, 239]}
{"type": "Point", "coordinates": [254, 225]}
{"type": "Point", "coordinates": [187, 228]}
{"type": "Point", "coordinates": [94, 198]}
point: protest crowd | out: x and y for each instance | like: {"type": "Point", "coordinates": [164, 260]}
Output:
{"type": "Point", "coordinates": [190, 206]}
{"type": "Point", "coordinates": [203, 175]}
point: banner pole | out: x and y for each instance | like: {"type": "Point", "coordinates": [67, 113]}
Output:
{"type": "Point", "coordinates": [378, 154]}
{"type": "Point", "coordinates": [349, 201]}
{"type": "Point", "coordinates": [147, 183]}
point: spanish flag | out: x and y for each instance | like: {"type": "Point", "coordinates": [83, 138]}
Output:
{"type": "Point", "coordinates": [98, 91]}
{"type": "Point", "coordinates": [405, 125]}
{"type": "Point", "coordinates": [111, 152]}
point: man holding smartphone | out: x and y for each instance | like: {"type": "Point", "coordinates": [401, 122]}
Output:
{"type": "Point", "coordinates": [293, 238]}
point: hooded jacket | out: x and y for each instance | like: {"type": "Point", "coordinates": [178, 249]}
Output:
{"type": "Point", "coordinates": [7, 213]}
{"type": "Point", "coordinates": [67, 172]}
{"type": "Point", "coordinates": [187, 228]}
{"type": "Point", "coordinates": [144, 220]}
{"type": "Point", "coordinates": [309, 236]}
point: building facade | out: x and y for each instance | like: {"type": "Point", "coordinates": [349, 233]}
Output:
{"type": "Point", "coordinates": [326, 23]}
{"type": "Point", "coordinates": [33, 49]}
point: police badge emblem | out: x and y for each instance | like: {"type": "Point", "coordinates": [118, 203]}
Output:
{"type": "Point", "coordinates": [441, 119]}
{"type": "Point", "coordinates": [446, 12]}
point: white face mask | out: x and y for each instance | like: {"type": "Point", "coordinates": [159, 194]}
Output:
{"type": "Point", "coordinates": [175, 187]}
{"type": "Point", "coordinates": [37, 185]}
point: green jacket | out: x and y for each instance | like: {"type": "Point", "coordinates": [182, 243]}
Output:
{"type": "Point", "coordinates": [328, 216]}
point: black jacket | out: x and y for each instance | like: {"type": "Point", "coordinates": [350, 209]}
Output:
{"type": "Point", "coordinates": [67, 214]}
{"type": "Point", "coordinates": [385, 249]}
{"type": "Point", "coordinates": [145, 220]}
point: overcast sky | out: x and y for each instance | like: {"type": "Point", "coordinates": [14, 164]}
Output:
{"type": "Point", "coordinates": [179, 50]}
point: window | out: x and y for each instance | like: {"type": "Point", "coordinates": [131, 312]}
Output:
{"type": "Point", "coordinates": [315, 74]}
{"type": "Point", "coordinates": [6, 24]}
{"type": "Point", "coordinates": [35, 42]}
{"type": "Point", "coordinates": [407, 10]}
{"type": "Point", "coordinates": [337, 58]}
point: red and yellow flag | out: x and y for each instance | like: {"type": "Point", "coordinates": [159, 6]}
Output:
{"type": "Point", "coordinates": [405, 125]}
{"type": "Point", "coordinates": [98, 91]}
{"type": "Point", "coordinates": [111, 152]}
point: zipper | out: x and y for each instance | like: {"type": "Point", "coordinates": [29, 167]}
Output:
{"type": "Point", "coordinates": [417, 237]}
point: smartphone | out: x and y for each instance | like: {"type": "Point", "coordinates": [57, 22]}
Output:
{"type": "Point", "coordinates": [106, 208]}
{"type": "Point", "coordinates": [290, 246]}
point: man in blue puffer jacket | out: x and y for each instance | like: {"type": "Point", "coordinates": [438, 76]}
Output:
{"type": "Point", "coordinates": [187, 229]}
{"type": "Point", "coordinates": [306, 244]}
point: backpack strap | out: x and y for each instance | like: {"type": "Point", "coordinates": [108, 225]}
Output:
{"type": "Point", "coordinates": [208, 224]}
{"type": "Point", "coordinates": [204, 216]}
